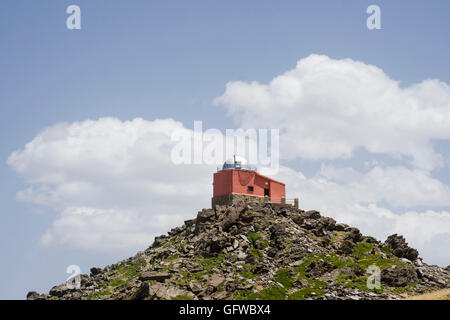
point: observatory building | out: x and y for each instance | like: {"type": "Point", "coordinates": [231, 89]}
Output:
{"type": "Point", "coordinates": [238, 181]}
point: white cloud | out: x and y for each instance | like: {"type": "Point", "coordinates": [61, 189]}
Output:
{"type": "Point", "coordinates": [397, 186]}
{"type": "Point", "coordinates": [109, 230]}
{"type": "Point", "coordinates": [111, 182]}
{"type": "Point", "coordinates": [327, 108]}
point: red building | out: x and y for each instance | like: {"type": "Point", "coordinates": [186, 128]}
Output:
{"type": "Point", "coordinates": [237, 180]}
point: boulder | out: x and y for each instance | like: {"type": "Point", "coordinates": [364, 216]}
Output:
{"type": "Point", "coordinates": [174, 292]}
{"type": "Point", "coordinates": [231, 218]}
{"type": "Point", "coordinates": [328, 223]}
{"type": "Point", "coordinates": [175, 231]}
{"type": "Point", "coordinates": [353, 270]}
{"type": "Point", "coordinates": [216, 244]}
{"type": "Point", "coordinates": [340, 227]}
{"type": "Point", "coordinates": [195, 287]}
{"type": "Point", "coordinates": [189, 223]}
{"type": "Point", "coordinates": [311, 214]}
{"type": "Point", "coordinates": [142, 292]}
{"type": "Point", "coordinates": [399, 247]}
{"type": "Point", "coordinates": [251, 259]}
{"type": "Point", "coordinates": [33, 295]}
{"type": "Point", "coordinates": [156, 276]}
{"type": "Point", "coordinates": [279, 234]}
{"type": "Point", "coordinates": [317, 268]}
{"type": "Point", "coordinates": [345, 247]}
{"type": "Point", "coordinates": [310, 224]}
{"type": "Point", "coordinates": [370, 239]}
{"type": "Point", "coordinates": [59, 291]}
{"type": "Point", "coordinates": [159, 240]}
{"type": "Point", "coordinates": [308, 220]}
{"type": "Point", "coordinates": [353, 234]}
{"type": "Point", "coordinates": [241, 255]}
{"type": "Point", "coordinates": [398, 277]}
{"type": "Point", "coordinates": [156, 291]}
{"type": "Point", "coordinates": [215, 281]}
{"type": "Point", "coordinates": [95, 271]}
{"type": "Point", "coordinates": [204, 217]}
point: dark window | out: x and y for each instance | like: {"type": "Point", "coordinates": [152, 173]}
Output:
{"type": "Point", "coordinates": [266, 192]}
{"type": "Point", "coordinates": [250, 188]}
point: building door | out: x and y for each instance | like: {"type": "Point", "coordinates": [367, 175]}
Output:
{"type": "Point", "coordinates": [266, 192]}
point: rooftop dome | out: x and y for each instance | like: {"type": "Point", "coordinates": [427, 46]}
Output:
{"type": "Point", "coordinates": [239, 163]}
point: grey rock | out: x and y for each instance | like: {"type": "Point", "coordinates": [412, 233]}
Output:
{"type": "Point", "coordinates": [33, 295]}
{"type": "Point", "coordinates": [241, 255]}
{"type": "Point", "coordinates": [95, 271]}
{"type": "Point", "coordinates": [59, 291]}
{"type": "Point", "coordinates": [398, 277]}
{"type": "Point", "coordinates": [156, 276]}
{"type": "Point", "coordinates": [400, 248]}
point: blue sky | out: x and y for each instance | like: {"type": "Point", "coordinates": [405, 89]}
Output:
{"type": "Point", "coordinates": [172, 59]}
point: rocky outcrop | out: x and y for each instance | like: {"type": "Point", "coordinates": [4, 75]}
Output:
{"type": "Point", "coordinates": [260, 251]}
{"type": "Point", "coordinates": [398, 277]}
{"type": "Point", "coordinates": [400, 248]}
{"type": "Point", "coordinates": [317, 268]}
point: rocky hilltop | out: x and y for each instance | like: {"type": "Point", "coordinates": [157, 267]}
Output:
{"type": "Point", "coordinates": [261, 251]}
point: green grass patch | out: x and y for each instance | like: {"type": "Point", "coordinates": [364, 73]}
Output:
{"type": "Point", "coordinates": [304, 293]}
{"type": "Point", "coordinates": [283, 276]}
{"type": "Point", "coordinates": [131, 270]}
{"type": "Point", "coordinates": [182, 297]}
{"type": "Point", "coordinates": [264, 244]}
{"type": "Point", "coordinates": [253, 238]}
{"type": "Point", "coordinates": [386, 250]}
{"type": "Point", "coordinates": [287, 276]}
{"type": "Point", "coordinates": [360, 283]}
{"type": "Point", "coordinates": [378, 260]}
{"type": "Point", "coordinates": [117, 282]}
{"type": "Point", "coordinates": [241, 294]}
{"type": "Point", "coordinates": [246, 271]}
{"type": "Point", "coordinates": [271, 293]}
{"type": "Point", "coordinates": [124, 273]}
{"type": "Point", "coordinates": [99, 294]}
{"type": "Point", "coordinates": [211, 263]}
{"type": "Point", "coordinates": [186, 277]}
{"type": "Point", "coordinates": [257, 253]}
{"type": "Point", "coordinates": [362, 262]}
{"type": "Point", "coordinates": [362, 248]}
{"type": "Point", "coordinates": [399, 290]}
{"type": "Point", "coordinates": [408, 289]}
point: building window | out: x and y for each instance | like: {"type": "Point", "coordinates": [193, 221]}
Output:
{"type": "Point", "coordinates": [250, 189]}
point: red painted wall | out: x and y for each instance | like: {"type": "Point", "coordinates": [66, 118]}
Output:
{"type": "Point", "coordinates": [238, 181]}
{"type": "Point", "coordinates": [223, 183]}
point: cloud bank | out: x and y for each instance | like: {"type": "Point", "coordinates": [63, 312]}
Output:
{"type": "Point", "coordinates": [112, 183]}
{"type": "Point", "coordinates": [328, 108]}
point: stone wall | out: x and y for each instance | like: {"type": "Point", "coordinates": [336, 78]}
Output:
{"type": "Point", "coordinates": [230, 199]}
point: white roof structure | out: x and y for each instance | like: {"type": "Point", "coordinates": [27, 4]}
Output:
{"type": "Point", "coordinates": [237, 163]}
